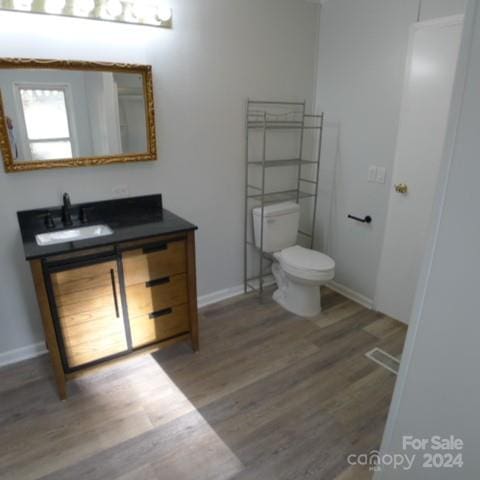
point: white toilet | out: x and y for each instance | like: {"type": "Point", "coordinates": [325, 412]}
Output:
{"type": "Point", "coordinates": [299, 271]}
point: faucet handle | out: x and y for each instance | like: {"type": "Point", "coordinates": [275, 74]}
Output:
{"type": "Point", "coordinates": [83, 215]}
{"type": "Point", "coordinates": [49, 221]}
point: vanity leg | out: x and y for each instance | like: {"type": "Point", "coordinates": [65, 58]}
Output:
{"type": "Point", "coordinates": [48, 328]}
{"type": "Point", "coordinates": [192, 290]}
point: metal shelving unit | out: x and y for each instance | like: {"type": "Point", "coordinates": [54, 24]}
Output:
{"type": "Point", "coordinates": [263, 117]}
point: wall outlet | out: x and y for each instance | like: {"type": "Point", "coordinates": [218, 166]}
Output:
{"type": "Point", "coordinates": [372, 173]}
{"type": "Point", "coordinates": [381, 173]}
{"type": "Point", "coordinates": [120, 191]}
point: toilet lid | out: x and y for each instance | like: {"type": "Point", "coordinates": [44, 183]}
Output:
{"type": "Point", "coordinates": [306, 259]}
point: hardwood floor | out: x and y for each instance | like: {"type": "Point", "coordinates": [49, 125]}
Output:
{"type": "Point", "coordinates": [268, 396]}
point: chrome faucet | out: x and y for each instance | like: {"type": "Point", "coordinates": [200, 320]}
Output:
{"type": "Point", "coordinates": [66, 210]}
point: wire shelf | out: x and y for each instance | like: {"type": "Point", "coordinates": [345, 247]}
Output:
{"type": "Point", "coordinates": [264, 116]}
{"type": "Point", "coordinates": [282, 163]}
{"type": "Point", "coordinates": [278, 126]}
{"type": "Point", "coordinates": [284, 120]}
{"type": "Point", "coordinates": [278, 197]}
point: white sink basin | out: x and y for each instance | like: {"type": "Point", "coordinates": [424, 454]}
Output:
{"type": "Point", "coordinates": [73, 235]}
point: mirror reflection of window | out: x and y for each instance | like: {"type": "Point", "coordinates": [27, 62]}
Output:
{"type": "Point", "coordinates": [47, 126]}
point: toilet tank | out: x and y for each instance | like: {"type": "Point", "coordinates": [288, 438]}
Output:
{"type": "Point", "coordinates": [280, 226]}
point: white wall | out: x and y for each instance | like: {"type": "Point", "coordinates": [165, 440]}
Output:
{"type": "Point", "coordinates": [219, 53]}
{"type": "Point", "coordinates": [437, 392]}
{"type": "Point", "coordinates": [362, 54]}
{"type": "Point", "coordinates": [441, 8]}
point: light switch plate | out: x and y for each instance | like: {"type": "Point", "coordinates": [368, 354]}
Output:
{"type": "Point", "coordinates": [372, 173]}
{"type": "Point", "coordinates": [381, 173]}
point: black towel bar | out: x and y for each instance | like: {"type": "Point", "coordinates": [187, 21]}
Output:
{"type": "Point", "coordinates": [367, 219]}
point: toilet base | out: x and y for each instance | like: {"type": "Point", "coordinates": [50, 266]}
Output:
{"type": "Point", "coordinates": [301, 299]}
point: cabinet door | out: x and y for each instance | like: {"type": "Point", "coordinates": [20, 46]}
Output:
{"type": "Point", "coordinates": [89, 312]}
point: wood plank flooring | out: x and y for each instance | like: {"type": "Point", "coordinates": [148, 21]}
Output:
{"type": "Point", "coordinates": [269, 396]}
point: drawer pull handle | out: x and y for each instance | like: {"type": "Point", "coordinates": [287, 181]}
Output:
{"type": "Point", "coordinates": [157, 247]}
{"type": "Point", "coordinates": [158, 281]}
{"type": "Point", "coordinates": [114, 289]}
{"type": "Point", "coordinates": [160, 313]}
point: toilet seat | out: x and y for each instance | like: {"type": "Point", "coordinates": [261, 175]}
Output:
{"type": "Point", "coordinates": [306, 264]}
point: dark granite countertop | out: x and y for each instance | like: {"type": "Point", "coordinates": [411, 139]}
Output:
{"type": "Point", "coordinates": [132, 218]}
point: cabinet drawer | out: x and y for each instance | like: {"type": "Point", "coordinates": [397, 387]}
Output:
{"type": "Point", "coordinates": [168, 323]}
{"type": "Point", "coordinates": [154, 261]}
{"type": "Point", "coordinates": [163, 293]}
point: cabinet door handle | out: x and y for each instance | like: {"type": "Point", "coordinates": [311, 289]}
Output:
{"type": "Point", "coordinates": [160, 313]}
{"type": "Point", "coordinates": [114, 289]}
{"type": "Point", "coordinates": [158, 281]}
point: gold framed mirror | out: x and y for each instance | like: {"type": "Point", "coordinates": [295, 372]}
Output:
{"type": "Point", "coordinates": [61, 113]}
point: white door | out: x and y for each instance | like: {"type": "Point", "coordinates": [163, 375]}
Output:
{"type": "Point", "coordinates": [431, 66]}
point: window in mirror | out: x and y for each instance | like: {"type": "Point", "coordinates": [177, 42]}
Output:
{"type": "Point", "coordinates": [47, 122]}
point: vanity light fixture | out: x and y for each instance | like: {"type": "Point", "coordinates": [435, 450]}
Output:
{"type": "Point", "coordinates": [144, 10]}
{"type": "Point", "coordinates": [22, 5]}
{"type": "Point", "coordinates": [112, 9]}
{"type": "Point", "coordinates": [54, 6]}
{"type": "Point", "coordinates": [83, 9]}
{"type": "Point", "coordinates": [155, 13]}
{"type": "Point", "coordinates": [164, 13]}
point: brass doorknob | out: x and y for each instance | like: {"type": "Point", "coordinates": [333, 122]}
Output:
{"type": "Point", "coordinates": [401, 188]}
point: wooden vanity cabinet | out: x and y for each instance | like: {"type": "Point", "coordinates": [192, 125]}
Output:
{"type": "Point", "coordinates": [134, 296]}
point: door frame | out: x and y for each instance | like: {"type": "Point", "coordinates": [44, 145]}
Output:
{"type": "Point", "coordinates": [442, 21]}
{"type": "Point", "coordinates": [458, 93]}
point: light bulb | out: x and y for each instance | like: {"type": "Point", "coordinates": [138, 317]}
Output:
{"type": "Point", "coordinates": [164, 13]}
{"type": "Point", "coordinates": [144, 10]}
{"type": "Point", "coordinates": [128, 14]}
{"type": "Point", "coordinates": [54, 6]}
{"type": "Point", "coordinates": [113, 8]}
{"type": "Point", "coordinates": [25, 5]}
{"type": "Point", "coordinates": [82, 8]}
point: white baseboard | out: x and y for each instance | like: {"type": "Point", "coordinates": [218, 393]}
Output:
{"type": "Point", "coordinates": [219, 295]}
{"type": "Point", "coordinates": [351, 294]}
{"type": "Point", "coordinates": [226, 293]}
{"type": "Point", "coordinates": [24, 353]}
